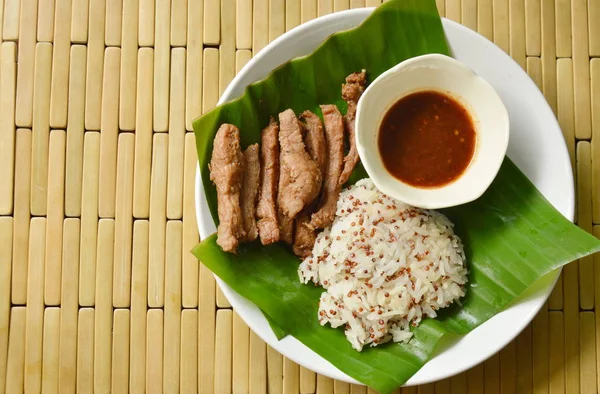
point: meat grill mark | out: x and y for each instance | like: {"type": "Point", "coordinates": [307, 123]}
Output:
{"type": "Point", "coordinates": [299, 177]}
{"type": "Point", "coordinates": [266, 210]}
{"type": "Point", "coordinates": [351, 92]}
{"type": "Point", "coordinates": [334, 136]}
{"type": "Point", "coordinates": [250, 185]}
{"type": "Point", "coordinates": [226, 171]}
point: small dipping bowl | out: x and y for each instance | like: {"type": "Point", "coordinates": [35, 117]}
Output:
{"type": "Point", "coordinates": [452, 78]}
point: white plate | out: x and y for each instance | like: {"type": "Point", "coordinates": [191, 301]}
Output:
{"type": "Point", "coordinates": [536, 146]}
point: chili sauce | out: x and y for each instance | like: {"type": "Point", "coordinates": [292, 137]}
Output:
{"type": "Point", "coordinates": [427, 139]}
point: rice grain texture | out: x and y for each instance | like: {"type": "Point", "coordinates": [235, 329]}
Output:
{"type": "Point", "coordinates": [385, 266]}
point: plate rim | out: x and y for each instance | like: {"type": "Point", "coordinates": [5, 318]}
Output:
{"type": "Point", "coordinates": [230, 294]}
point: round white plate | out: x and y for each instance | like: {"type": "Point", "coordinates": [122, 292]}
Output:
{"type": "Point", "coordinates": [536, 146]}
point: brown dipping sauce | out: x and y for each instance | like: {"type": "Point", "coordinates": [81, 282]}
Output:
{"type": "Point", "coordinates": [427, 139]}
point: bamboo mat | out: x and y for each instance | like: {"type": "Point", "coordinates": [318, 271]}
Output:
{"type": "Point", "coordinates": [97, 164]}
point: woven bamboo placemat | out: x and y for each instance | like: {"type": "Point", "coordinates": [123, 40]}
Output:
{"type": "Point", "coordinates": [97, 163]}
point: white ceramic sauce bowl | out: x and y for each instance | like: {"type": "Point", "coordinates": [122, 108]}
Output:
{"type": "Point", "coordinates": [445, 75]}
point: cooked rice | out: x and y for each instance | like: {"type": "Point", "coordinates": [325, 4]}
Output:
{"type": "Point", "coordinates": [385, 266]}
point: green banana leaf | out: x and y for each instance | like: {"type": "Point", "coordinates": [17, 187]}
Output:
{"type": "Point", "coordinates": [512, 234]}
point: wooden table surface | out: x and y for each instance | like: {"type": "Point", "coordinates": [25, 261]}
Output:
{"type": "Point", "coordinates": [98, 292]}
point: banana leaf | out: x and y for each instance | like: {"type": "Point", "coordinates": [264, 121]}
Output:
{"type": "Point", "coordinates": [512, 234]}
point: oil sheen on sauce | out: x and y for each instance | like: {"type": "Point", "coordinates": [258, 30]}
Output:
{"type": "Point", "coordinates": [427, 139]}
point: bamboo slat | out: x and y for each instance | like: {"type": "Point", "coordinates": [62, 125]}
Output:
{"type": "Point", "coordinates": [34, 318]}
{"type": "Point", "coordinates": [139, 290]}
{"type": "Point", "coordinates": [95, 64]}
{"type": "Point", "coordinates": [563, 28]}
{"type": "Point", "coordinates": [549, 53]}
{"type": "Point", "coordinates": [541, 343]}
{"type": "Point", "coordinates": [212, 22]}
{"type": "Point", "coordinates": [189, 351]}
{"type": "Point", "coordinates": [581, 68]}
{"type": "Point", "coordinates": [454, 10]}
{"type": "Point", "coordinates": [143, 134]}
{"type": "Point", "coordinates": [241, 355]}
{"type": "Point", "coordinates": [79, 21]}
{"type": "Point", "coordinates": [146, 23]}
{"type": "Point", "coordinates": [179, 23]}
{"type": "Point", "coordinates": [114, 15]}
{"type": "Point", "coordinates": [157, 222]}
{"type": "Point", "coordinates": [260, 25]}
{"type": "Point", "coordinates": [206, 331]}
{"type": "Point", "coordinates": [109, 133]}
{"type": "Point", "coordinates": [21, 217]}
{"type": "Point", "coordinates": [190, 269]}
{"type": "Point", "coordinates": [120, 351]}
{"type": "Point", "coordinates": [154, 351]}
{"type": "Point", "coordinates": [508, 368]}
{"type": "Point", "coordinates": [129, 56]}
{"type": "Point", "coordinates": [588, 352]}
{"type": "Point", "coordinates": [67, 368]}
{"type": "Point", "coordinates": [45, 22]}
{"type": "Point", "coordinates": [258, 365]}
{"type": "Point", "coordinates": [176, 135]}
{"type": "Point", "coordinates": [6, 242]}
{"type": "Point", "coordinates": [533, 27]}
{"type": "Point", "coordinates": [501, 28]}
{"type": "Point", "coordinates": [89, 219]}
{"type": "Point", "coordinates": [275, 372]}
{"type": "Point", "coordinates": [123, 221]}
{"type": "Point", "coordinates": [243, 24]}
{"type": "Point", "coordinates": [75, 125]}
{"type": "Point", "coordinates": [55, 216]}
{"type": "Point", "coordinates": [308, 10]}
{"type": "Point", "coordinates": [16, 350]}
{"type": "Point", "coordinates": [51, 341]}
{"type": "Point", "coordinates": [194, 73]}
{"type": "Point", "coordinates": [10, 25]}
{"type": "Point", "coordinates": [103, 323]}
{"type": "Point", "coordinates": [594, 27]}
{"type": "Point", "coordinates": [162, 57]}
{"type": "Point", "coordinates": [26, 58]}
{"type": "Point", "coordinates": [172, 309]}
{"type": "Point", "coordinates": [85, 350]}
{"type": "Point", "coordinates": [8, 74]}
{"type": "Point", "coordinates": [223, 347]}
{"type": "Point", "coordinates": [517, 32]}
{"type": "Point", "coordinates": [584, 220]}
{"type": "Point", "coordinates": [556, 331]}
{"type": "Point", "coordinates": [41, 128]}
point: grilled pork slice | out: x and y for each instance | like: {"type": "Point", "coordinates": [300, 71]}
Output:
{"type": "Point", "coordinates": [299, 177]}
{"type": "Point", "coordinates": [351, 92]}
{"type": "Point", "coordinates": [266, 209]}
{"type": "Point", "coordinates": [226, 171]}
{"type": "Point", "coordinates": [315, 140]}
{"type": "Point", "coordinates": [334, 135]}
{"type": "Point", "coordinates": [305, 235]}
{"type": "Point", "coordinates": [250, 185]}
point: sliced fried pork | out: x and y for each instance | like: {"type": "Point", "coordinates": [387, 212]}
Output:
{"type": "Point", "coordinates": [351, 92]}
{"type": "Point", "coordinates": [266, 209]}
{"type": "Point", "coordinates": [334, 135]}
{"type": "Point", "coordinates": [226, 171]}
{"type": "Point", "coordinates": [315, 140]}
{"type": "Point", "coordinates": [250, 190]}
{"type": "Point", "coordinates": [299, 177]}
{"type": "Point", "coordinates": [305, 235]}
{"type": "Point", "coordinates": [286, 228]}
